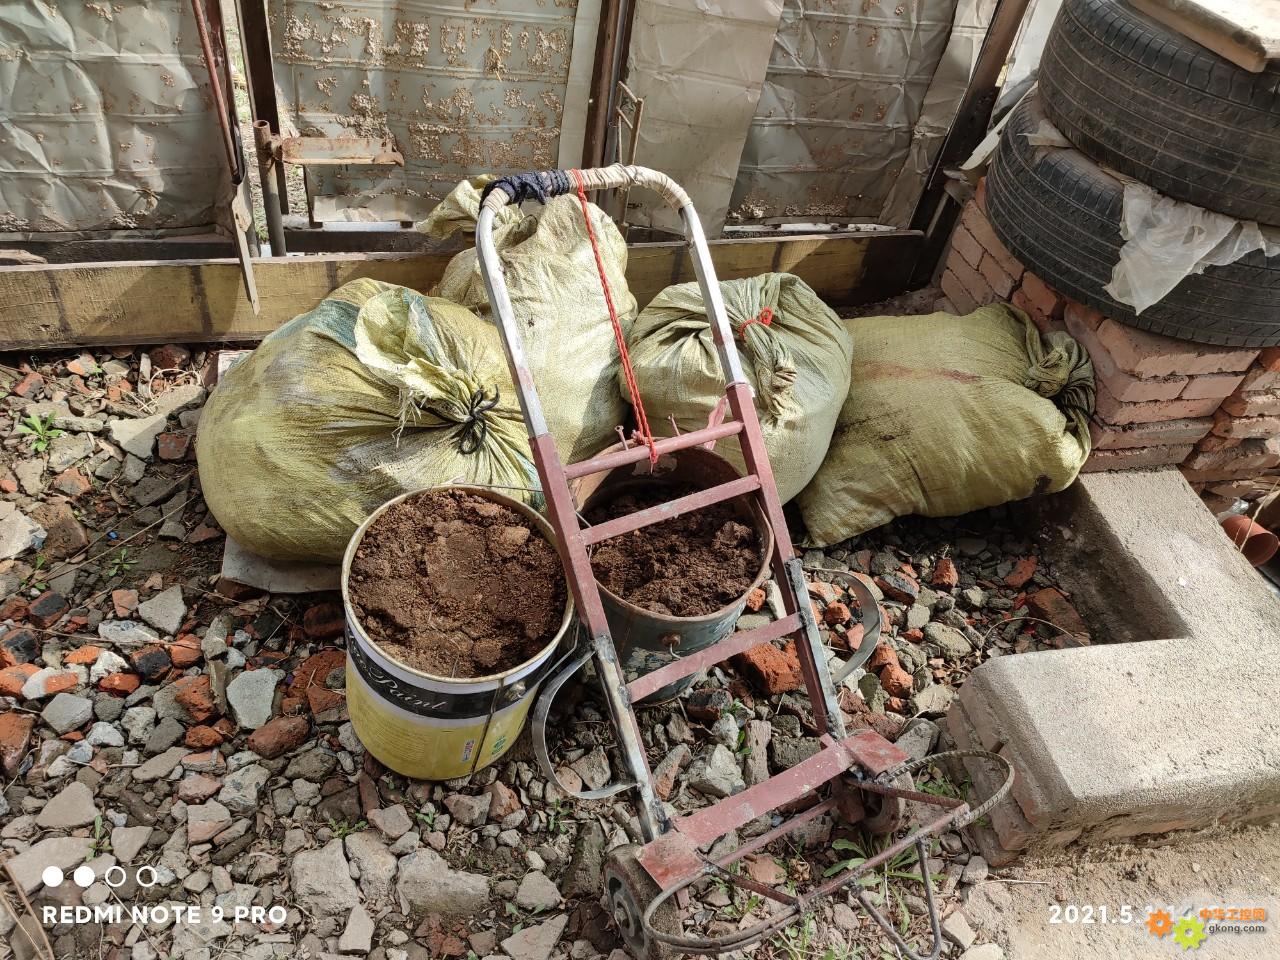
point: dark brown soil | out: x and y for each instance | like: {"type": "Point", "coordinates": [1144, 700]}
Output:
{"type": "Point", "coordinates": [456, 585]}
{"type": "Point", "coordinates": [688, 566]}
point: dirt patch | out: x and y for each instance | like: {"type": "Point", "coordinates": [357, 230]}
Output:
{"type": "Point", "coordinates": [457, 585]}
{"type": "Point", "coordinates": [688, 566]}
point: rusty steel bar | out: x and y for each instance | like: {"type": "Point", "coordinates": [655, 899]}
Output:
{"type": "Point", "coordinates": [340, 151]}
{"type": "Point", "coordinates": [265, 143]}
{"type": "Point", "coordinates": [220, 103]}
{"type": "Point", "coordinates": [621, 458]}
{"type": "Point", "coordinates": [730, 646]}
{"type": "Point", "coordinates": [672, 508]}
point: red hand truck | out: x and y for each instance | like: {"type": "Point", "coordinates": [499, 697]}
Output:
{"type": "Point", "coordinates": [862, 777]}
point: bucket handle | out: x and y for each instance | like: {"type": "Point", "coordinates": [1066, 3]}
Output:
{"type": "Point", "coordinates": [561, 672]}
{"type": "Point", "coordinates": [871, 623]}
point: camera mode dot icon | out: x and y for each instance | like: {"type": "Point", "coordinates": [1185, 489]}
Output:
{"type": "Point", "coordinates": [52, 876]}
{"type": "Point", "coordinates": [84, 876]}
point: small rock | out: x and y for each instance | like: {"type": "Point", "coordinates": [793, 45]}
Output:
{"type": "Point", "coordinates": [127, 633]}
{"type": "Point", "coordinates": [975, 871]}
{"type": "Point", "coordinates": [593, 768]}
{"type": "Point", "coordinates": [949, 641]}
{"type": "Point", "coordinates": [69, 449]}
{"type": "Point", "coordinates": [917, 738]}
{"type": "Point", "coordinates": [205, 821]}
{"type": "Point", "coordinates": [241, 789]}
{"type": "Point", "coordinates": [72, 807]}
{"type": "Point", "coordinates": [357, 936]}
{"type": "Point", "coordinates": [470, 811]}
{"type": "Point", "coordinates": [505, 800]}
{"type": "Point", "coordinates": [67, 712]}
{"type": "Point", "coordinates": [251, 695]}
{"type": "Point", "coordinates": [160, 765]}
{"type": "Point", "coordinates": [984, 951]}
{"type": "Point", "coordinates": [103, 734]}
{"type": "Point", "coordinates": [717, 773]}
{"type": "Point", "coordinates": [321, 881]}
{"type": "Point", "coordinates": [429, 885]}
{"type": "Point", "coordinates": [393, 822]}
{"type": "Point", "coordinates": [956, 929]}
{"type": "Point", "coordinates": [18, 533]}
{"type": "Point", "coordinates": [537, 893]}
{"type": "Point", "coordinates": [127, 842]}
{"type": "Point", "coordinates": [136, 436]}
{"type": "Point", "coordinates": [536, 942]}
{"type": "Point", "coordinates": [165, 611]}
{"type": "Point", "coordinates": [933, 699]}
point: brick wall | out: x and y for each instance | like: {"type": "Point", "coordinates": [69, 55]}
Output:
{"type": "Point", "coordinates": [1161, 401]}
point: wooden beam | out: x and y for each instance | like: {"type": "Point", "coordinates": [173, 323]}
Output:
{"type": "Point", "coordinates": [197, 301]}
{"type": "Point", "coordinates": [604, 74]}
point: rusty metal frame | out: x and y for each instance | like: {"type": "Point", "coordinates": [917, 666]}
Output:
{"type": "Point", "coordinates": [670, 854]}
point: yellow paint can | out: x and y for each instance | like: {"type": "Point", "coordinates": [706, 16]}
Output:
{"type": "Point", "coordinates": [437, 728]}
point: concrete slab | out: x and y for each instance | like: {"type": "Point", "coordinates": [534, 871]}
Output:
{"type": "Point", "coordinates": [276, 576]}
{"type": "Point", "coordinates": [1179, 730]}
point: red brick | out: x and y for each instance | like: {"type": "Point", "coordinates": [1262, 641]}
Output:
{"type": "Point", "coordinates": [201, 737]}
{"type": "Point", "coordinates": [770, 669]}
{"type": "Point", "coordinates": [1023, 571]}
{"type": "Point", "coordinates": [124, 602]}
{"type": "Point", "coordinates": [1245, 428]}
{"type": "Point", "coordinates": [324, 620]}
{"type": "Point", "coordinates": [83, 656]}
{"type": "Point", "coordinates": [1050, 604]}
{"type": "Point", "coordinates": [1001, 282]}
{"type": "Point", "coordinates": [1108, 436]}
{"type": "Point", "coordinates": [1144, 354]}
{"type": "Point", "coordinates": [974, 283]}
{"type": "Point", "coordinates": [170, 356]}
{"type": "Point", "coordinates": [957, 294]}
{"type": "Point", "coordinates": [1114, 411]}
{"type": "Point", "coordinates": [965, 246]}
{"type": "Point", "coordinates": [72, 482]}
{"type": "Point", "coordinates": [1123, 386]}
{"type": "Point", "coordinates": [1043, 323]}
{"type": "Point", "coordinates": [278, 736]}
{"type": "Point", "coordinates": [1252, 404]}
{"type": "Point", "coordinates": [1254, 455]}
{"type": "Point", "coordinates": [13, 679]}
{"type": "Point", "coordinates": [836, 613]}
{"type": "Point", "coordinates": [173, 446]}
{"type": "Point", "coordinates": [945, 574]}
{"type": "Point", "coordinates": [755, 599]}
{"type": "Point", "coordinates": [121, 683]}
{"type": "Point", "coordinates": [1047, 300]}
{"type": "Point", "coordinates": [976, 222]}
{"type": "Point", "coordinates": [185, 651]}
{"type": "Point", "coordinates": [882, 656]}
{"type": "Point", "coordinates": [1214, 442]}
{"type": "Point", "coordinates": [48, 608]}
{"type": "Point", "coordinates": [28, 386]}
{"type": "Point", "coordinates": [1217, 385]}
{"type": "Point", "coordinates": [896, 681]}
{"type": "Point", "coordinates": [1135, 458]}
{"type": "Point", "coordinates": [194, 694]}
{"type": "Point", "coordinates": [980, 195]}
{"type": "Point", "coordinates": [15, 733]}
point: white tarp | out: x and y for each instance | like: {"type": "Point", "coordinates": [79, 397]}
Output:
{"type": "Point", "coordinates": [699, 66]}
{"type": "Point", "coordinates": [461, 87]}
{"type": "Point", "coordinates": [858, 100]}
{"type": "Point", "coordinates": [106, 119]}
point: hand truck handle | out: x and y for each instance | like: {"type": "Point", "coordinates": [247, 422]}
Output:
{"type": "Point", "coordinates": [548, 184]}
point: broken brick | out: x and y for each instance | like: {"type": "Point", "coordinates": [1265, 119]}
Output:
{"type": "Point", "coordinates": [837, 613]}
{"type": "Point", "coordinates": [84, 656]}
{"type": "Point", "coordinates": [896, 681]}
{"type": "Point", "coordinates": [72, 482]}
{"type": "Point", "coordinates": [324, 620]}
{"type": "Point", "coordinates": [171, 356]}
{"type": "Point", "coordinates": [770, 669]}
{"type": "Point", "coordinates": [278, 736]}
{"type": "Point", "coordinates": [28, 386]}
{"type": "Point", "coordinates": [173, 446]}
{"type": "Point", "coordinates": [185, 651]}
{"type": "Point", "coordinates": [12, 679]}
{"type": "Point", "coordinates": [124, 602]}
{"type": "Point", "coordinates": [898, 586]}
{"type": "Point", "coordinates": [195, 696]}
{"type": "Point", "coordinates": [882, 656]}
{"type": "Point", "coordinates": [121, 684]}
{"type": "Point", "coordinates": [1021, 573]}
{"type": "Point", "coordinates": [755, 600]}
{"type": "Point", "coordinates": [706, 706]}
{"type": "Point", "coordinates": [203, 737]}
{"type": "Point", "coordinates": [20, 645]}
{"type": "Point", "coordinates": [48, 608]}
{"type": "Point", "coordinates": [1051, 605]}
{"type": "Point", "coordinates": [945, 574]}
{"type": "Point", "coordinates": [15, 733]}
{"type": "Point", "coordinates": [151, 661]}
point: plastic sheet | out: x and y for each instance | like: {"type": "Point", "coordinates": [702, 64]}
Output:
{"type": "Point", "coordinates": [108, 122]}
{"type": "Point", "coordinates": [1167, 240]}
{"type": "Point", "coordinates": [461, 87]}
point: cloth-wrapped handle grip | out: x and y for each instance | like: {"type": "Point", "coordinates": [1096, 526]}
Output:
{"type": "Point", "coordinates": [544, 185]}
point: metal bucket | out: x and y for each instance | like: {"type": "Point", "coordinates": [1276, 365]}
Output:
{"type": "Point", "coordinates": [646, 640]}
{"type": "Point", "coordinates": [438, 728]}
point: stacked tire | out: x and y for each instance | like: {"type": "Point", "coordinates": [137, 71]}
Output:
{"type": "Point", "coordinates": [1138, 100]}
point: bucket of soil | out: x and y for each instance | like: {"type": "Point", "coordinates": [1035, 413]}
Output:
{"type": "Point", "coordinates": [455, 602]}
{"type": "Point", "coordinates": [678, 586]}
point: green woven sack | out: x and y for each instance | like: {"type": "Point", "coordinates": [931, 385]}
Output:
{"type": "Point", "coordinates": [949, 414]}
{"type": "Point", "coordinates": [797, 364]}
{"type": "Point", "coordinates": [377, 391]}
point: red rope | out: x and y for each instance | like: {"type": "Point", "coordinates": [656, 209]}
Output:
{"type": "Point", "coordinates": [764, 318]}
{"type": "Point", "coordinates": [627, 371]}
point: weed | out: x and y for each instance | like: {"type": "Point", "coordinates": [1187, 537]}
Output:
{"type": "Point", "coordinates": [427, 818]}
{"type": "Point", "coordinates": [101, 841]}
{"type": "Point", "coordinates": [341, 829]}
{"type": "Point", "coordinates": [121, 563]}
{"type": "Point", "coordinates": [556, 818]}
{"type": "Point", "coordinates": [41, 429]}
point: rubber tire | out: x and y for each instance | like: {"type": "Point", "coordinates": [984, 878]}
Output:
{"type": "Point", "coordinates": [628, 891]}
{"type": "Point", "coordinates": [1154, 105]}
{"type": "Point", "coordinates": [1059, 214]}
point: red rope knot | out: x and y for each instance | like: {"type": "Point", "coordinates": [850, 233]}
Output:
{"type": "Point", "coordinates": [642, 419]}
{"type": "Point", "coordinates": [764, 317]}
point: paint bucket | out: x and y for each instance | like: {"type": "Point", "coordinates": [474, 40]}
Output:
{"type": "Point", "coordinates": [437, 728]}
{"type": "Point", "coordinates": [646, 640]}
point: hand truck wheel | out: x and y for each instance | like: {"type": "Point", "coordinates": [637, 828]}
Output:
{"type": "Point", "coordinates": [628, 891]}
{"type": "Point", "coordinates": [885, 814]}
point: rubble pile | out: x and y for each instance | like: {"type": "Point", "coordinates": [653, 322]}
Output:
{"type": "Point", "coordinates": [152, 714]}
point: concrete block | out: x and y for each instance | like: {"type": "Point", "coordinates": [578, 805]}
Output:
{"type": "Point", "coordinates": [1119, 740]}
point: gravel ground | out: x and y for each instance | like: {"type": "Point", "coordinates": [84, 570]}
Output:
{"type": "Point", "coordinates": [153, 715]}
